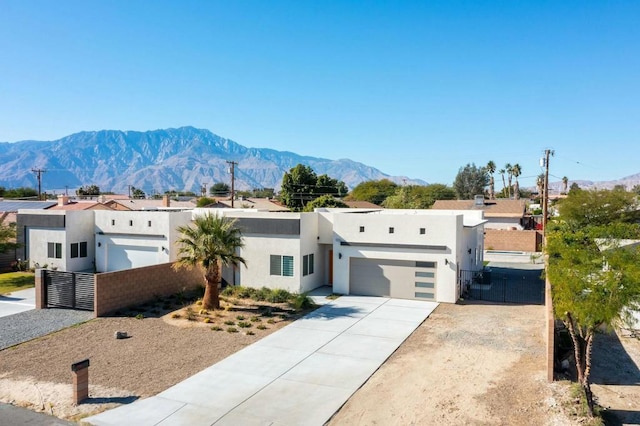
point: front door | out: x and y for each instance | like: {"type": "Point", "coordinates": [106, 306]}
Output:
{"type": "Point", "coordinates": [331, 267]}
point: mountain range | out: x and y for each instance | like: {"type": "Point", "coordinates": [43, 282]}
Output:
{"type": "Point", "coordinates": [181, 159]}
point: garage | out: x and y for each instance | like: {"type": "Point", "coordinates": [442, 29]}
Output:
{"type": "Point", "coordinates": [403, 279]}
{"type": "Point", "coordinates": [121, 257]}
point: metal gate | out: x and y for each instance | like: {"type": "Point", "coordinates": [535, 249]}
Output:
{"type": "Point", "coordinates": [69, 290]}
{"type": "Point", "coordinates": [505, 285]}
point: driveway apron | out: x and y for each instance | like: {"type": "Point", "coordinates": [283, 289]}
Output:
{"type": "Point", "coordinates": [299, 375]}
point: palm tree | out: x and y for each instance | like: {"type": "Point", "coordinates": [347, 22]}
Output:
{"type": "Point", "coordinates": [509, 168]}
{"type": "Point", "coordinates": [565, 184]}
{"type": "Point", "coordinates": [504, 185]}
{"type": "Point", "coordinates": [491, 169]}
{"type": "Point", "coordinates": [210, 244]}
{"type": "Point", "coordinates": [516, 170]}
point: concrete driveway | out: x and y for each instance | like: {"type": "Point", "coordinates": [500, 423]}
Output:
{"type": "Point", "coordinates": [301, 374]}
{"type": "Point", "coordinates": [18, 301]}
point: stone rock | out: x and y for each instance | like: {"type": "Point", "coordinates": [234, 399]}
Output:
{"type": "Point", "coordinates": [121, 335]}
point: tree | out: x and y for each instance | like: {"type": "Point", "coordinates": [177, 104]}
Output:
{"type": "Point", "coordinates": [88, 190]}
{"type": "Point", "coordinates": [21, 192]}
{"type": "Point", "coordinates": [328, 201]}
{"type": "Point", "coordinates": [598, 207]}
{"type": "Point", "coordinates": [373, 191]}
{"type": "Point", "coordinates": [565, 184]}
{"type": "Point", "coordinates": [301, 185]}
{"type": "Point", "coordinates": [504, 184]}
{"type": "Point", "coordinates": [491, 169]}
{"type": "Point", "coordinates": [418, 196]}
{"type": "Point", "coordinates": [205, 201]}
{"type": "Point", "coordinates": [509, 168]}
{"type": "Point", "coordinates": [7, 235]}
{"type": "Point", "coordinates": [516, 170]}
{"type": "Point", "coordinates": [593, 283]}
{"type": "Point", "coordinates": [211, 243]}
{"type": "Point", "coordinates": [470, 181]}
{"type": "Point", "coordinates": [219, 189]}
{"type": "Point", "coordinates": [137, 193]}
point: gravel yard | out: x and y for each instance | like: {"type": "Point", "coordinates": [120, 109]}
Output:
{"type": "Point", "coordinates": [159, 353]}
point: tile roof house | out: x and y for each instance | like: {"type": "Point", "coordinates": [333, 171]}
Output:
{"type": "Point", "coordinates": [499, 213]}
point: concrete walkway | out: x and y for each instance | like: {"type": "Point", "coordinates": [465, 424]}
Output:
{"type": "Point", "coordinates": [299, 375]}
{"type": "Point", "coordinates": [17, 301]}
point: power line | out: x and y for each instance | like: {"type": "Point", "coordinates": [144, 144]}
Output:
{"type": "Point", "coordinates": [39, 173]}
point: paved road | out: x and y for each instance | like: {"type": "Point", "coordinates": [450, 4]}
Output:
{"type": "Point", "coordinates": [18, 301]}
{"type": "Point", "coordinates": [16, 416]}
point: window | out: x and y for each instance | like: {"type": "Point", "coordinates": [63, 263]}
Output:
{"type": "Point", "coordinates": [425, 264]}
{"type": "Point", "coordinates": [423, 231]}
{"type": "Point", "coordinates": [79, 249]}
{"type": "Point", "coordinates": [281, 265]}
{"type": "Point", "coordinates": [424, 295]}
{"type": "Point", "coordinates": [391, 230]}
{"type": "Point", "coordinates": [362, 229]}
{"type": "Point", "coordinates": [307, 264]}
{"type": "Point", "coordinates": [425, 274]}
{"type": "Point", "coordinates": [113, 222]}
{"type": "Point", "coordinates": [130, 223]}
{"type": "Point", "coordinates": [54, 250]}
{"type": "Point", "coordinates": [149, 224]}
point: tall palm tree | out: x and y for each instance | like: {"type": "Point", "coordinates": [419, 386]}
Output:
{"type": "Point", "coordinates": [504, 185]}
{"type": "Point", "coordinates": [211, 243]}
{"type": "Point", "coordinates": [509, 168]}
{"type": "Point", "coordinates": [491, 169]}
{"type": "Point", "coordinates": [565, 184]}
{"type": "Point", "coordinates": [516, 170]}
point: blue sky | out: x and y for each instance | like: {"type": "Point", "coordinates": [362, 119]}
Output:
{"type": "Point", "coordinates": [412, 88]}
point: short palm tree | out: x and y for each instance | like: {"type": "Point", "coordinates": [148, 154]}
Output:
{"type": "Point", "coordinates": [211, 242]}
{"type": "Point", "coordinates": [565, 184]}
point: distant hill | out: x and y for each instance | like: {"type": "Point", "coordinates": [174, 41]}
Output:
{"type": "Point", "coordinates": [156, 161]}
{"type": "Point", "coordinates": [628, 182]}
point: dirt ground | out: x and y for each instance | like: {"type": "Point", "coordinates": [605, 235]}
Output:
{"type": "Point", "coordinates": [474, 364]}
{"type": "Point", "coordinates": [159, 353]}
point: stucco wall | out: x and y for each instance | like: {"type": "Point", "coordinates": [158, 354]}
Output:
{"type": "Point", "coordinates": [122, 289]}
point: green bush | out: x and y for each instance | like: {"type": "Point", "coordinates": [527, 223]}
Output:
{"type": "Point", "coordinates": [232, 330]}
{"type": "Point", "coordinates": [229, 322]}
{"type": "Point", "coordinates": [301, 301]}
{"type": "Point", "coordinates": [261, 327]}
{"type": "Point", "coordinates": [244, 324]}
{"type": "Point", "coordinates": [216, 328]}
{"type": "Point", "coordinates": [279, 295]}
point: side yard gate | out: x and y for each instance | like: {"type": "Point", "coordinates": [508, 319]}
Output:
{"type": "Point", "coordinates": [504, 285]}
{"type": "Point", "coordinates": [73, 290]}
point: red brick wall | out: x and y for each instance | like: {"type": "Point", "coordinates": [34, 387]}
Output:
{"type": "Point", "coordinates": [121, 289]}
{"type": "Point", "coordinates": [513, 240]}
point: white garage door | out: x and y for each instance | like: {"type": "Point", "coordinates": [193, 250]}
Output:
{"type": "Point", "coordinates": [403, 279]}
{"type": "Point", "coordinates": [121, 257]}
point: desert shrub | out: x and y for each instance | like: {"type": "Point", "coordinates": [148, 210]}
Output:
{"type": "Point", "coordinates": [139, 316]}
{"type": "Point", "coordinates": [176, 315]}
{"type": "Point", "coordinates": [255, 319]}
{"type": "Point", "coordinates": [261, 327]}
{"type": "Point", "coordinates": [262, 294]}
{"type": "Point", "coordinates": [301, 301]}
{"type": "Point", "coordinates": [240, 317]}
{"type": "Point", "coordinates": [244, 324]}
{"type": "Point", "coordinates": [271, 321]}
{"type": "Point", "coordinates": [229, 322]}
{"type": "Point", "coordinates": [249, 333]}
{"type": "Point", "coordinates": [232, 330]}
{"type": "Point", "coordinates": [216, 328]}
{"type": "Point", "coordinates": [279, 295]}
{"type": "Point", "coordinates": [190, 314]}
{"type": "Point", "coordinates": [206, 320]}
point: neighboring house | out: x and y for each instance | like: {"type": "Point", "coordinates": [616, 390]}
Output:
{"type": "Point", "coordinates": [9, 210]}
{"type": "Point", "coordinates": [132, 239]}
{"type": "Point", "coordinates": [361, 204]}
{"type": "Point", "coordinates": [499, 213]}
{"type": "Point", "coordinates": [66, 203]}
{"type": "Point", "coordinates": [260, 204]}
{"type": "Point", "coordinates": [60, 239]}
{"type": "Point", "coordinates": [410, 254]}
{"type": "Point", "coordinates": [129, 204]}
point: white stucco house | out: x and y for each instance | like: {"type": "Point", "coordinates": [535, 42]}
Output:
{"type": "Point", "coordinates": [410, 254]}
{"type": "Point", "coordinates": [133, 239]}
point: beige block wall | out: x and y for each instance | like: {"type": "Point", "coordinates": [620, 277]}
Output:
{"type": "Point", "coordinates": [512, 240]}
{"type": "Point", "coordinates": [120, 289]}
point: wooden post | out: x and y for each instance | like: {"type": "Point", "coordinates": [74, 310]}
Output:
{"type": "Point", "coordinates": [80, 371]}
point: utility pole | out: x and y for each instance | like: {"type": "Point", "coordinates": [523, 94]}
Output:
{"type": "Point", "coordinates": [39, 173]}
{"type": "Point", "coordinates": [203, 189]}
{"type": "Point", "coordinates": [545, 200]}
{"type": "Point", "coordinates": [232, 170]}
